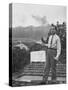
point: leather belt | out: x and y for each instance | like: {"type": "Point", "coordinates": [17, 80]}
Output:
{"type": "Point", "coordinates": [52, 48]}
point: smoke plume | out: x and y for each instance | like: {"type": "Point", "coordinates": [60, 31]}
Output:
{"type": "Point", "coordinates": [41, 20]}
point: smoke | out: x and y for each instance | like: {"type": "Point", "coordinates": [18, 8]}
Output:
{"type": "Point", "coordinates": [41, 20]}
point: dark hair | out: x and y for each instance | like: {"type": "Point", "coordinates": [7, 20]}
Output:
{"type": "Point", "coordinates": [54, 27]}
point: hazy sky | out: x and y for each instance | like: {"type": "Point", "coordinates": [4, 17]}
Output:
{"type": "Point", "coordinates": [32, 14]}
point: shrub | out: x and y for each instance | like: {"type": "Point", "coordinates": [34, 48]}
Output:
{"type": "Point", "coordinates": [20, 58]}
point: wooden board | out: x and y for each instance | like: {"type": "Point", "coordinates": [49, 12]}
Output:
{"type": "Point", "coordinates": [38, 56]}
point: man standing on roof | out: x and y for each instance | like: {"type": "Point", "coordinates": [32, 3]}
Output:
{"type": "Point", "coordinates": [52, 55]}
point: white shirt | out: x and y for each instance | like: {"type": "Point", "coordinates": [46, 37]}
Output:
{"type": "Point", "coordinates": [55, 43]}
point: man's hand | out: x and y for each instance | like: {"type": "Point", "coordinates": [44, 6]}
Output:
{"type": "Point", "coordinates": [56, 58]}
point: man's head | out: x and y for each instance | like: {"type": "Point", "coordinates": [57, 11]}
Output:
{"type": "Point", "coordinates": [53, 30]}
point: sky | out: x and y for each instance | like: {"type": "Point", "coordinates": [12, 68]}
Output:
{"type": "Point", "coordinates": [36, 15]}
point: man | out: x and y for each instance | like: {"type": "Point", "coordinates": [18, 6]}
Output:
{"type": "Point", "coordinates": [52, 55]}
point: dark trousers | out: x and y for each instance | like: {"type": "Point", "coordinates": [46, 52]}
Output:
{"type": "Point", "coordinates": [50, 63]}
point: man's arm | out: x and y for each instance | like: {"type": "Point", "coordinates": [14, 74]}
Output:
{"type": "Point", "coordinates": [42, 39]}
{"type": "Point", "coordinates": [58, 49]}
{"type": "Point", "coordinates": [47, 44]}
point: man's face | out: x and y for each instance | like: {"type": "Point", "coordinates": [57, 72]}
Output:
{"type": "Point", "coordinates": [53, 30]}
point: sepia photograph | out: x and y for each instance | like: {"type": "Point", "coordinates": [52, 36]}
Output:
{"type": "Point", "coordinates": [37, 44]}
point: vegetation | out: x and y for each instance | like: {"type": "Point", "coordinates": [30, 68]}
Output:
{"type": "Point", "coordinates": [20, 59]}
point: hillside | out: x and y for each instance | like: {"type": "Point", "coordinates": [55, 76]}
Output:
{"type": "Point", "coordinates": [30, 32]}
